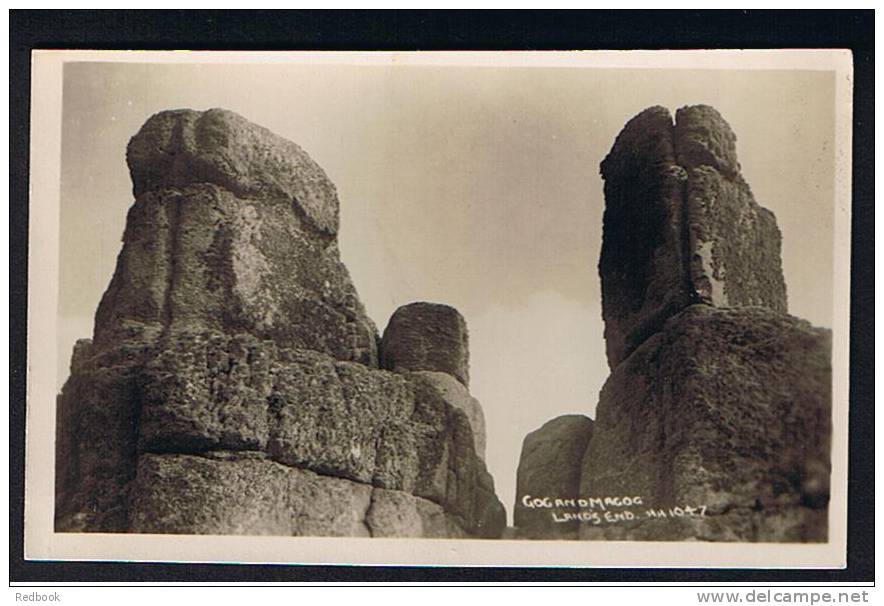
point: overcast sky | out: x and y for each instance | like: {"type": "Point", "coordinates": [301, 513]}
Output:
{"type": "Point", "coordinates": [472, 186]}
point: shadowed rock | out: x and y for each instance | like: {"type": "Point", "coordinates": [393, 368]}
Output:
{"type": "Point", "coordinates": [717, 415]}
{"type": "Point", "coordinates": [96, 435]}
{"type": "Point", "coordinates": [642, 263]}
{"type": "Point", "coordinates": [681, 226]}
{"type": "Point", "coordinates": [724, 409]}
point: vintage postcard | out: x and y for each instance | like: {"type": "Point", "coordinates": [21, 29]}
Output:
{"type": "Point", "coordinates": [562, 309]}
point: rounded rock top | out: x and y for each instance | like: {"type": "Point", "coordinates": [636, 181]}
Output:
{"type": "Point", "coordinates": [427, 336]}
{"type": "Point", "coordinates": [180, 147]}
{"type": "Point", "coordinates": [703, 137]}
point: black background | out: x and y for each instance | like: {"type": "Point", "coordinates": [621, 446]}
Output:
{"type": "Point", "coordinates": [453, 30]}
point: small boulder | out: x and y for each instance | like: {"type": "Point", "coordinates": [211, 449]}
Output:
{"type": "Point", "coordinates": [550, 467]}
{"type": "Point", "coordinates": [427, 336]}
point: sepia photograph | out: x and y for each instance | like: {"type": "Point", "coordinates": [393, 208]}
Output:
{"type": "Point", "coordinates": [480, 308]}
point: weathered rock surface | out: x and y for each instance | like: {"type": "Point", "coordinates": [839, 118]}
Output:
{"type": "Point", "coordinates": [450, 472]}
{"type": "Point", "coordinates": [427, 336]}
{"type": "Point", "coordinates": [728, 409]}
{"type": "Point", "coordinates": [397, 514]}
{"type": "Point", "coordinates": [238, 494]}
{"type": "Point", "coordinates": [454, 392]}
{"type": "Point", "coordinates": [703, 138]}
{"type": "Point", "coordinates": [180, 147]}
{"type": "Point", "coordinates": [209, 392]}
{"type": "Point", "coordinates": [642, 262]}
{"type": "Point", "coordinates": [681, 226]}
{"type": "Point", "coordinates": [232, 385]}
{"type": "Point", "coordinates": [550, 467]}
{"type": "Point", "coordinates": [310, 411]}
{"type": "Point", "coordinates": [96, 433]}
{"type": "Point", "coordinates": [734, 243]}
{"type": "Point", "coordinates": [244, 493]}
{"type": "Point", "coordinates": [233, 229]}
{"type": "Point", "coordinates": [715, 423]}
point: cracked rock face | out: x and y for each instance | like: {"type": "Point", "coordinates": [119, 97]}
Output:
{"type": "Point", "coordinates": [718, 401]}
{"type": "Point", "coordinates": [454, 392]}
{"type": "Point", "coordinates": [232, 385]}
{"type": "Point", "coordinates": [724, 408]}
{"type": "Point", "coordinates": [177, 148]}
{"type": "Point", "coordinates": [680, 227]}
{"type": "Point", "coordinates": [244, 493]}
{"type": "Point", "coordinates": [233, 229]}
{"type": "Point", "coordinates": [218, 396]}
{"type": "Point", "coordinates": [304, 409]}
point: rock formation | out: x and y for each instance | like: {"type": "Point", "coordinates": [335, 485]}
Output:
{"type": "Point", "coordinates": [425, 336]}
{"type": "Point", "coordinates": [432, 342]}
{"type": "Point", "coordinates": [680, 227]}
{"type": "Point", "coordinates": [232, 384]}
{"type": "Point", "coordinates": [454, 392]}
{"type": "Point", "coordinates": [550, 467]}
{"type": "Point", "coordinates": [727, 409]}
{"type": "Point", "coordinates": [233, 229]}
{"type": "Point", "coordinates": [716, 417]}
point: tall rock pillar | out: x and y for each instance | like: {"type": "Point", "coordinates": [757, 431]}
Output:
{"type": "Point", "coordinates": [717, 414]}
{"type": "Point", "coordinates": [717, 400]}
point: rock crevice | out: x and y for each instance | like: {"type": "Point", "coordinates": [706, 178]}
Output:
{"type": "Point", "coordinates": [680, 227]}
{"type": "Point", "coordinates": [717, 399]}
{"type": "Point", "coordinates": [232, 384]}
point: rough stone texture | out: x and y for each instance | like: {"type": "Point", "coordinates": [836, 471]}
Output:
{"type": "Point", "coordinates": [208, 391]}
{"type": "Point", "coordinates": [395, 514]}
{"type": "Point", "coordinates": [345, 420]}
{"type": "Point", "coordinates": [724, 408]}
{"type": "Point", "coordinates": [717, 412]}
{"type": "Point", "coordinates": [233, 229]}
{"type": "Point", "coordinates": [703, 138]}
{"type": "Point", "coordinates": [449, 471]}
{"type": "Point", "coordinates": [427, 336]}
{"type": "Point", "coordinates": [642, 263]}
{"type": "Point", "coordinates": [179, 147]}
{"type": "Point", "coordinates": [243, 493]}
{"type": "Point", "coordinates": [212, 391]}
{"type": "Point", "coordinates": [680, 227]}
{"type": "Point", "coordinates": [232, 382]}
{"type": "Point", "coordinates": [550, 466]}
{"type": "Point", "coordinates": [734, 244]}
{"type": "Point", "coordinates": [454, 392]}
{"type": "Point", "coordinates": [96, 432]}
{"type": "Point", "coordinates": [186, 494]}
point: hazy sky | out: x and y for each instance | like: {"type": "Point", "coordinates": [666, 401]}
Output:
{"type": "Point", "coordinates": [472, 186]}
